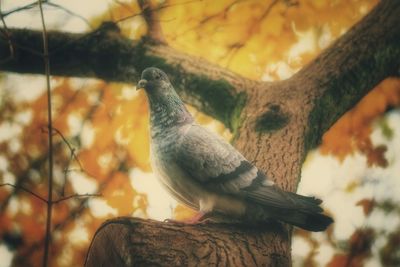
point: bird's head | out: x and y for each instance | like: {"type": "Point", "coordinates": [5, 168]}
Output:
{"type": "Point", "coordinates": [164, 102]}
{"type": "Point", "coordinates": [152, 78]}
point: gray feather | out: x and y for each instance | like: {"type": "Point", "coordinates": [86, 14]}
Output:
{"type": "Point", "coordinates": [211, 160]}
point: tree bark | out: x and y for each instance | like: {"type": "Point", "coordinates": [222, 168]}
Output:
{"type": "Point", "coordinates": [136, 242]}
{"type": "Point", "coordinates": [275, 124]}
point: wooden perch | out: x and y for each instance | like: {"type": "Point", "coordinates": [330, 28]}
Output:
{"type": "Point", "coordinates": [136, 242]}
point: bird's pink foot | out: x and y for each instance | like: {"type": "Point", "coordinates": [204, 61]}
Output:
{"type": "Point", "coordinates": [200, 217]}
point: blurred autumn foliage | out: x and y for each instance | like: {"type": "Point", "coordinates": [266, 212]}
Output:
{"type": "Point", "coordinates": [102, 130]}
{"type": "Point", "coordinates": [352, 131]}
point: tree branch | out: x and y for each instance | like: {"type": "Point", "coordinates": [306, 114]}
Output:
{"type": "Point", "coordinates": [50, 177]}
{"type": "Point", "coordinates": [121, 242]}
{"type": "Point", "coordinates": [105, 54]}
{"type": "Point", "coordinates": [335, 81]}
{"type": "Point", "coordinates": [87, 195]}
{"type": "Point", "coordinates": [152, 20]}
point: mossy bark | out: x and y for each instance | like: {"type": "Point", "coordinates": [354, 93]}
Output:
{"type": "Point", "coordinates": [107, 55]}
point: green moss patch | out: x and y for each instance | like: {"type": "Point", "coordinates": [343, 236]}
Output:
{"type": "Point", "coordinates": [272, 120]}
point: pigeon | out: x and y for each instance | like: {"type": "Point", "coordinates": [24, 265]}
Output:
{"type": "Point", "coordinates": [205, 172]}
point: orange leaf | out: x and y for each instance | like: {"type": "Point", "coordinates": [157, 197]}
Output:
{"type": "Point", "coordinates": [367, 205]}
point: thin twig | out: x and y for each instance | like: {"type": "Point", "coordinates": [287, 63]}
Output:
{"type": "Point", "coordinates": [66, 10]}
{"type": "Point", "coordinates": [26, 7]}
{"type": "Point", "coordinates": [27, 48]}
{"type": "Point", "coordinates": [7, 36]}
{"type": "Point", "coordinates": [34, 4]}
{"type": "Point", "coordinates": [23, 177]}
{"type": "Point", "coordinates": [156, 9]}
{"type": "Point", "coordinates": [64, 139]}
{"type": "Point", "coordinates": [124, 5]}
{"type": "Point", "coordinates": [75, 196]}
{"type": "Point", "coordinates": [36, 163]}
{"type": "Point", "coordinates": [26, 190]}
{"type": "Point", "coordinates": [234, 48]}
{"type": "Point", "coordinates": [72, 156]}
{"type": "Point", "coordinates": [71, 149]}
{"type": "Point", "coordinates": [224, 12]}
{"type": "Point", "coordinates": [66, 171]}
{"type": "Point", "coordinates": [211, 17]}
{"type": "Point", "coordinates": [50, 127]}
{"type": "Point", "coordinates": [128, 17]}
{"type": "Point", "coordinates": [73, 214]}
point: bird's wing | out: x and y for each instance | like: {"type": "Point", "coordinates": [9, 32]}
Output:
{"type": "Point", "coordinates": [219, 167]}
{"type": "Point", "coordinates": [209, 159]}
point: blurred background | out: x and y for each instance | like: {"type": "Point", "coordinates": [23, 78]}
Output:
{"type": "Point", "coordinates": [102, 145]}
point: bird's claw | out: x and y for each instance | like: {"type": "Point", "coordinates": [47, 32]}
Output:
{"type": "Point", "coordinates": [200, 218]}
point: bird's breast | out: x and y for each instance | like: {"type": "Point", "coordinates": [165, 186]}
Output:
{"type": "Point", "coordinates": [174, 180]}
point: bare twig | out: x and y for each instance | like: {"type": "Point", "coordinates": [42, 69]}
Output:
{"type": "Point", "coordinates": [66, 171]}
{"type": "Point", "coordinates": [64, 139]}
{"type": "Point", "coordinates": [224, 12]}
{"type": "Point", "coordinates": [151, 17]}
{"type": "Point", "coordinates": [71, 149]}
{"type": "Point", "coordinates": [75, 196]}
{"type": "Point", "coordinates": [50, 127]}
{"type": "Point", "coordinates": [34, 4]}
{"type": "Point", "coordinates": [74, 213]}
{"type": "Point", "coordinates": [268, 10]}
{"type": "Point", "coordinates": [125, 5]}
{"type": "Point", "coordinates": [234, 48]}
{"type": "Point", "coordinates": [7, 36]}
{"type": "Point", "coordinates": [155, 9]}
{"type": "Point", "coordinates": [26, 7]}
{"type": "Point", "coordinates": [36, 163]}
{"type": "Point", "coordinates": [73, 156]}
{"type": "Point", "coordinates": [22, 177]}
{"type": "Point", "coordinates": [27, 48]}
{"type": "Point", "coordinates": [26, 190]}
{"type": "Point", "coordinates": [66, 10]}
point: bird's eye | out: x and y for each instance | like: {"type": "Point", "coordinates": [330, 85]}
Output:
{"type": "Point", "coordinates": [157, 76]}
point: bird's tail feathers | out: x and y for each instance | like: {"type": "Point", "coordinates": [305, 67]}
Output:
{"type": "Point", "coordinates": [273, 196]}
{"type": "Point", "coordinates": [307, 214]}
{"type": "Point", "coordinates": [315, 222]}
{"type": "Point", "coordinates": [298, 210]}
{"type": "Point", "coordinates": [305, 203]}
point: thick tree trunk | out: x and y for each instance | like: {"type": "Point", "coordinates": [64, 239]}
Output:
{"type": "Point", "coordinates": [275, 125]}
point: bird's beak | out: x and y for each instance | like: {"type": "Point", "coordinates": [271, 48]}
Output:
{"type": "Point", "coordinates": [141, 84]}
